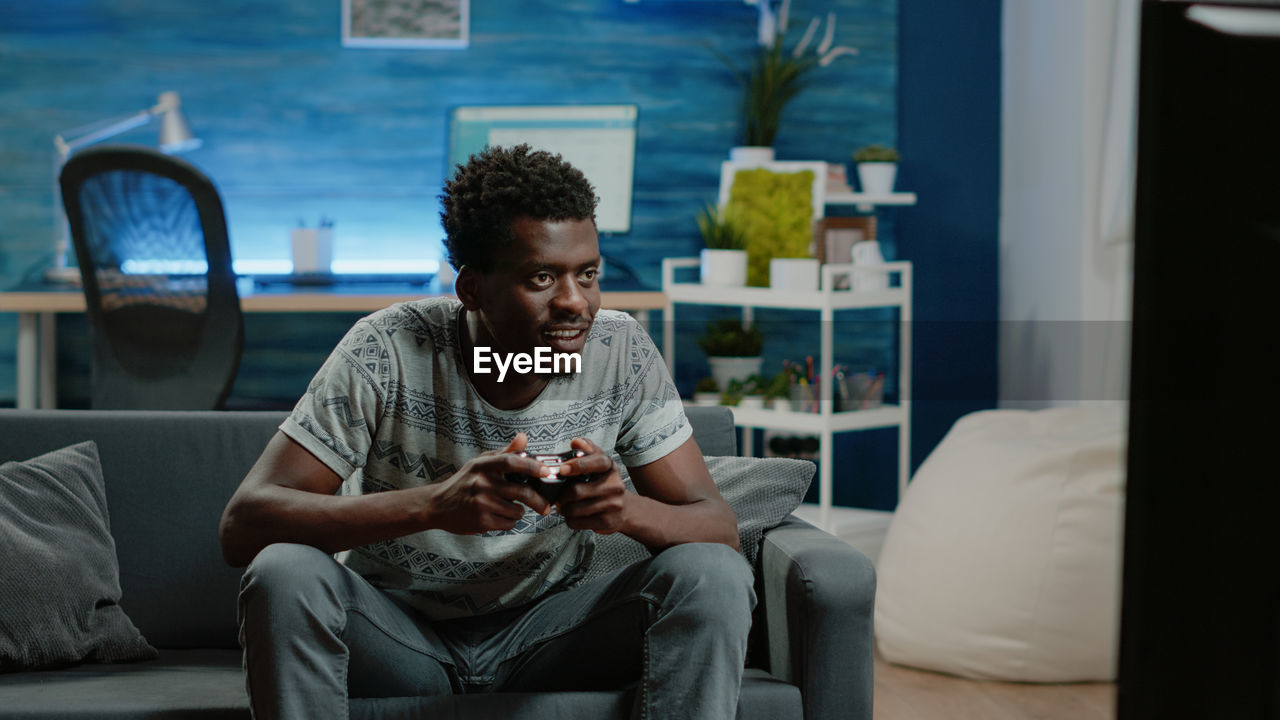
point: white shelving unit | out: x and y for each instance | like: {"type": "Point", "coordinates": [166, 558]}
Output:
{"type": "Point", "coordinates": [867, 202]}
{"type": "Point", "coordinates": [826, 302]}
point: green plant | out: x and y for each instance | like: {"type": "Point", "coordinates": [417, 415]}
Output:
{"type": "Point", "coordinates": [779, 386]}
{"type": "Point", "coordinates": [777, 208]}
{"type": "Point", "coordinates": [706, 384]}
{"type": "Point", "coordinates": [732, 394]}
{"type": "Point", "coordinates": [727, 338]}
{"type": "Point", "coordinates": [721, 228]}
{"type": "Point", "coordinates": [875, 153]}
{"type": "Point", "coordinates": [755, 385]}
{"type": "Point", "coordinates": [775, 76]}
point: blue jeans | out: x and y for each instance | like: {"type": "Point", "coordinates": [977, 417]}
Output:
{"type": "Point", "coordinates": [315, 633]}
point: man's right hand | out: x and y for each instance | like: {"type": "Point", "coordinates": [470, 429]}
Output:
{"type": "Point", "coordinates": [478, 498]}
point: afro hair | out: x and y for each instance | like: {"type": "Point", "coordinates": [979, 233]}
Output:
{"type": "Point", "coordinates": [500, 185]}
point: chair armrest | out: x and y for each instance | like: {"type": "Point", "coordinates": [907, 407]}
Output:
{"type": "Point", "coordinates": [819, 600]}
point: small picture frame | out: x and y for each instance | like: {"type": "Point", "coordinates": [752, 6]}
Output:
{"type": "Point", "coordinates": [408, 24]}
{"type": "Point", "coordinates": [834, 238]}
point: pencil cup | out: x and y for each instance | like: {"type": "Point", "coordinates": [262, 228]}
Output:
{"type": "Point", "coordinates": [312, 249]}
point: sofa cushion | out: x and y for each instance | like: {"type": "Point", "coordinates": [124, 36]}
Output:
{"type": "Point", "coordinates": [180, 684]}
{"type": "Point", "coordinates": [1003, 558]}
{"type": "Point", "coordinates": [761, 491]}
{"type": "Point", "coordinates": [168, 477]}
{"type": "Point", "coordinates": [59, 579]}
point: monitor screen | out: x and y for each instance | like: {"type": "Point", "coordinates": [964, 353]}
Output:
{"type": "Point", "coordinates": [599, 140]}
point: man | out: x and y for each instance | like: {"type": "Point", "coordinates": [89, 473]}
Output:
{"type": "Point", "coordinates": [454, 578]}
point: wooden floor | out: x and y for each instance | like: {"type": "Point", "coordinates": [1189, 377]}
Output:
{"type": "Point", "coordinates": [906, 694]}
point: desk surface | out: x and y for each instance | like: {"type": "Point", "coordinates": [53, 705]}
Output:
{"type": "Point", "coordinates": [36, 307]}
{"type": "Point", "coordinates": [356, 298]}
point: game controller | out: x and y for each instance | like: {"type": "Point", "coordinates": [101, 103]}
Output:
{"type": "Point", "coordinates": [551, 486]}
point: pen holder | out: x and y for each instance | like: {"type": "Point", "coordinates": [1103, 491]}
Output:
{"type": "Point", "coordinates": [804, 398]}
{"type": "Point", "coordinates": [865, 390]}
{"type": "Point", "coordinates": [312, 249]}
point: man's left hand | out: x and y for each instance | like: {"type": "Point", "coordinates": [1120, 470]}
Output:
{"type": "Point", "coordinates": [599, 504]}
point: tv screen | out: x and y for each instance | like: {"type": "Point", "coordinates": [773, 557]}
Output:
{"type": "Point", "coordinates": [599, 140]}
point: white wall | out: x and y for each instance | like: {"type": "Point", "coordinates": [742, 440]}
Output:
{"type": "Point", "coordinates": [1064, 250]}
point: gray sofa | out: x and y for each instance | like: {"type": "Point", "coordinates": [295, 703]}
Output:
{"type": "Point", "coordinates": [168, 476]}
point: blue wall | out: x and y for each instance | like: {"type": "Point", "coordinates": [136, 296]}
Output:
{"type": "Point", "coordinates": [949, 131]}
{"type": "Point", "coordinates": [295, 126]}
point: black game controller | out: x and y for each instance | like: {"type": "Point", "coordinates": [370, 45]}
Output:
{"type": "Point", "coordinates": [551, 486]}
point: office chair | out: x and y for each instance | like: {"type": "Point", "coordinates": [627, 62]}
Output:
{"type": "Point", "coordinates": [151, 240]}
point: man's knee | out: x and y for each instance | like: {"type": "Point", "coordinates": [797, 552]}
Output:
{"type": "Point", "coordinates": [290, 569]}
{"type": "Point", "coordinates": [718, 563]}
{"type": "Point", "coordinates": [707, 577]}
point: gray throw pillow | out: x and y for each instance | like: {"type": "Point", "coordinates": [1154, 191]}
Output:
{"type": "Point", "coordinates": [59, 577]}
{"type": "Point", "coordinates": [761, 491]}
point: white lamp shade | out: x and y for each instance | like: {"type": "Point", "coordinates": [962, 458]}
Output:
{"type": "Point", "coordinates": [175, 135]}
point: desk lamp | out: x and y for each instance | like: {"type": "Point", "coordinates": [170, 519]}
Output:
{"type": "Point", "coordinates": [175, 137]}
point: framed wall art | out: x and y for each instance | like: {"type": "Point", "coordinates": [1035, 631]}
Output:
{"type": "Point", "coordinates": [406, 24]}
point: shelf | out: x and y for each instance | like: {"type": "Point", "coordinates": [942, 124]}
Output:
{"type": "Point", "coordinates": [896, 293]}
{"type": "Point", "coordinates": [887, 416]}
{"type": "Point", "coordinates": [758, 297]}
{"type": "Point", "coordinates": [769, 298]}
{"type": "Point", "coordinates": [864, 199]}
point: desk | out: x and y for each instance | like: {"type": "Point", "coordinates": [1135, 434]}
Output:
{"type": "Point", "coordinates": [37, 311]}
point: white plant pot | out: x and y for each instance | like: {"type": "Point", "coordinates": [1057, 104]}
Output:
{"type": "Point", "coordinates": [724, 268]}
{"type": "Point", "coordinates": [794, 274]}
{"type": "Point", "coordinates": [877, 178]}
{"type": "Point", "coordinates": [866, 254]}
{"type": "Point", "coordinates": [751, 154]}
{"type": "Point", "coordinates": [726, 369]}
{"type": "Point", "coordinates": [751, 402]}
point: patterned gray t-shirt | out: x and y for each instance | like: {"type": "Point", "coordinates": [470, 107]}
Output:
{"type": "Point", "coordinates": [392, 407]}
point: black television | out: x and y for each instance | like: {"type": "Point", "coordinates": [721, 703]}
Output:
{"type": "Point", "coordinates": [1200, 615]}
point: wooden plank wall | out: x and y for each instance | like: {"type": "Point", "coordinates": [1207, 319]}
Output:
{"type": "Point", "coordinates": [295, 126]}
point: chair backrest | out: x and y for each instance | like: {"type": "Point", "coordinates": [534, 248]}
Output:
{"type": "Point", "coordinates": [151, 240]}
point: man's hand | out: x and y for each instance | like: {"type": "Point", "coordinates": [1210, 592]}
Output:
{"type": "Point", "coordinates": [600, 504]}
{"type": "Point", "coordinates": [478, 498]}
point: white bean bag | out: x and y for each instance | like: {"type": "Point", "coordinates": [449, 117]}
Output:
{"type": "Point", "coordinates": [1003, 558]}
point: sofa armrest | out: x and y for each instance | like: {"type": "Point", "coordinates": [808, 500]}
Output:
{"type": "Point", "coordinates": [819, 599]}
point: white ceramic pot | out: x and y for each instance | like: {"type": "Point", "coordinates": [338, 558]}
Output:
{"type": "Point", "coordinates": [752, 402]}
{"type": "Point", "coordinates": [726, 369]}
{"type": "Point", "coordinates": [751, 153]}
{"type": "Point", "coordinates": [867, 255]}
{"type": "Point", "coordinates": [724, 268]}
{"type": "Point", "coordinates": [877, 178]}
{"type": "Point", "coordinates": [794, 274]}
{"type": "Point", "coordinates": [706, 398]}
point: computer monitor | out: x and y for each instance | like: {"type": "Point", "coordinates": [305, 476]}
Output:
{"type": "Point", "coordinates": [599, 140]}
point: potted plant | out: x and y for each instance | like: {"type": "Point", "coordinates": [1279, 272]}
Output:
{"type": "Point", "coordinates": [877, 168]}
{"type": "Point", "coordinates": [706, 392]}
{"type": "Point", "coordinates": [733, 393]}
{"type": "Point", "coordinates": [778, 392]}
{"type": "Point", "coordinates": [724, 259]}
{"type": "Point", "coordinates": [776, 76]}
{"type": "Point", "coordinates": [732, 349]}
{"type": "Point", "coordinates": [753, 392]}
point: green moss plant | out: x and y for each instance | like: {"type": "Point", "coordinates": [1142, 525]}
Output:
{"type": "Point", "coordinates": [776, 208]}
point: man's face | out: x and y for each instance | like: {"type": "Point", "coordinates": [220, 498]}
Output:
{"type": "Point", "coordinates": [545, 290]}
